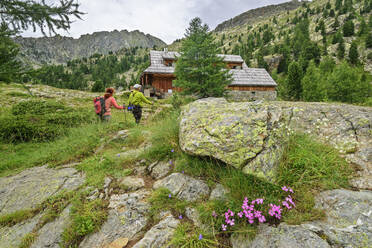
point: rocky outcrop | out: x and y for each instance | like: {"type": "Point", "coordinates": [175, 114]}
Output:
{"type": "Point", "coordinates": [11, 237]}
{"type": "Point", "coordinates": [183, 187]}
{"type": "Point", "coordinates": [250, 135]}
{"type": "Point", "coordinates": [127, 216]}
{"type": "Point", "coordinates": [160, 234]}
{"type": "Point", "coordinates": [50, 235]}
{"type": "Point", "coordinates": [348, 223]}
{"type": "Point", "coordinates": [60, 49]}
{"type": "Point", "coordinates": [33, 186]}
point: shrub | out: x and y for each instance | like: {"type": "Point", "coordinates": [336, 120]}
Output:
{"type": "Point", "coordinates": [40, 121]}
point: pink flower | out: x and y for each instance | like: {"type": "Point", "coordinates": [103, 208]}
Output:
{"type": "Point", "coordinates": [224, 227]}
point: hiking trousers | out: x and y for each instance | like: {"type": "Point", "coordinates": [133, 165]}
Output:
{"type": "Point", "coordinates": [137, 113]}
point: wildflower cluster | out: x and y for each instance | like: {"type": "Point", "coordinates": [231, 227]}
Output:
{"type": "Point", "coordinates": [250, 212]}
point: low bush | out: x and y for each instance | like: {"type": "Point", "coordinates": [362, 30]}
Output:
{"type": "Point", "coordinates": [37, 120]}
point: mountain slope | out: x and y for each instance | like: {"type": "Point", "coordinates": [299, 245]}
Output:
{"type": "Point", "coordinates": [59, 49]}
{"type": "Point", "coordinates": [255, 15]}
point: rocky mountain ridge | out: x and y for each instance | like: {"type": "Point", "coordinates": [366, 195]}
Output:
{"type": "Point", "coordinates": [255, 15]}
{"type": "Point", "coordinates": [59, 49]}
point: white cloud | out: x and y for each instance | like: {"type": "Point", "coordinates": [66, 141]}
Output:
{"type": "Point", "coordinates": [165, 19]}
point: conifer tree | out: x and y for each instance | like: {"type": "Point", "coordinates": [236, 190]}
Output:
{"type": "Point", "coordinates": [363, 28]}
{"type": "Point", "coordinates": [10, 67]}
{"type": "Point", "coordinates": [353, 54]}
{"type": "Point", "coordinates": [348, 28]}
{"type": "Point", "coordinates": [198, 69]}
{"type": "Point", "coordinates": [294, 86]}
{"type": "Point", "coordinates": [341, 49]}
{"type": "Point", "coordinates": [22, 14]}
{"type": "Point", "coordinates": [369, 40]}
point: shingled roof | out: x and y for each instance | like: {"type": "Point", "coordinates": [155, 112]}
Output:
{"type": "Point", "coordinates": [241, 77]}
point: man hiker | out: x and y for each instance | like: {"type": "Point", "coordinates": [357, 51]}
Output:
{"type": "Point", "coordinates": [136, 101]}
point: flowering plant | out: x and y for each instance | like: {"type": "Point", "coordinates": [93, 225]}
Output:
{"type": "Point", "coordinates": [250, 212]}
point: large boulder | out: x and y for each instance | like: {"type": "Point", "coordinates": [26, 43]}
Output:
{"type": "Point", "coordinates": [250, 135]}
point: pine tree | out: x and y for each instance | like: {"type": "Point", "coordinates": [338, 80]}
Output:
{"type": "Point", "coordinates": [294, 86]}
{"type": "Point", "coordinates": [341, 49]}
{"type": "Point", "coordinates": [348, 28]}
{"type": "Point", "coordinates": [363, 28]}
{"type": "Point", "coordinates": [338, 4]}
{"type": "Point", "coordinates": [98, 86]}
{"type": "Point", "coordinates": [22, 14]}
{"type": "Point", "coordinates": [199, 70]}
{"type": "Point", "coordinates": [353, 54]}
{"type": "Point", "coordinates": [10, 67]}
{"type": "Point", "coordinates": [369, 40]}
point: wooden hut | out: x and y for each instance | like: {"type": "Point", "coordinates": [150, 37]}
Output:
{"type": "Point", "coordinates": [248, 83]}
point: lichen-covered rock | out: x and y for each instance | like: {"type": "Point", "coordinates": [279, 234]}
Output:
{"type": "Point", "coordinates": [127, 216]}
{"type": "Point", "coordinates": [286, 236]}
{"type": "Point", "coordinates": [184, 187]}
{"type": "Point", "coordinates": [132, 183]}
{"type": "Point", "coordinates": [160, 170]}
{"type": "Point", "coordinates": [11, 237]}
{"type": "Point", "coordinates": [250, 135]}
{"type": "Point", "coordinates": [160, 234]}
{"type": "Point", "coordinates": [31, 187]}
{"type": "Point", "coordinates": [50, 235]}
{"type": "Point", "coordinates": [349, 218]}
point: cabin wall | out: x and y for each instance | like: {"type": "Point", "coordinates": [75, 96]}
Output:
{"type": "Point", "coordinates": [245, 93]}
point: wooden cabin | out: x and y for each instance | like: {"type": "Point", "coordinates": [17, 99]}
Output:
{"type": "Point", "coordinates": [251, 83]}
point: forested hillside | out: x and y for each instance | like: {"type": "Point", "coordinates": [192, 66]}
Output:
{"type": "Point", "coordinates": [96, 72]}
{"type": "Point", "coordinates": [316, 53]}
{"type": "Point", "coordinates": [321, 51]}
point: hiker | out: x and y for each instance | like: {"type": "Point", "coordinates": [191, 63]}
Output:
{"type": "Point", "coordinates": [109, 102]}
{"type": "Point", "coordinates": [136, 101]}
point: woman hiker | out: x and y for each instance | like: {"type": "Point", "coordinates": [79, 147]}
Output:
{"type": "Point", "coordinates": [137, 99]}
{"type": "Point", "coordinates": [109, 102]}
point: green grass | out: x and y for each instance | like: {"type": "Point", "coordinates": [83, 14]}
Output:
{"type": "Point", "coordinates": [160, 201]}
{"type": "Point", "coordinates": [187, 236]}
{"type": "Point", "coordinates": [17, 217]}
{"type": "Point", "coordinates": [87, 217]}
{"type": "Point", "coordinates": [310, 167]}
{"type": "Point", "coordinates": [28, 239]}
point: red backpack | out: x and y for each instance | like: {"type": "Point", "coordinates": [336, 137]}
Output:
{"type": "Point", "coordinates": [100, 106]}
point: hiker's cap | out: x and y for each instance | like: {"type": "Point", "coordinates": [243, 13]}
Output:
{"type": "Point", "coordinates": [137, 86]}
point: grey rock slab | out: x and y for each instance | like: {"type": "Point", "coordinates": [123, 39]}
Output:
{"type": "Point", "coordinates": [160, 234]}
{"type": "Point", "coordinates": [183, 186]}
{"type": "Point", "coordinates": [219, 193]}
{"type": "Point", "coordinates": [349, 218]}
{"type": "Point", "coordinates": [286, 236]}
{"type": "Point", "coordinates": [31, 187]}
{"type": "Point", "coordinates": [50, 235]}
{"type": "Point", "coordinates": [11, 237]}
{"type": "Point", "coordinates": [160, 170]}
{"type": "Point", "coordinates": [132, 183]}
{"type": "Point", "coordinates": [127, 216]}
{"type": "Point", "coordinates": [240, 240]}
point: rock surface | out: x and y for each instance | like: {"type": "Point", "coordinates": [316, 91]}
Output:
{"type": "Point", "coordinates": [349, 218]}
{"type": "Point", "coordinates": [160, 234]}
{"type": "Point", "coordinates": [184, 187]}
{"type": "Point", "coordinates": [250, 135]}
{"type": "Point", "coordinates": [132, 183]}
{"type": "Point", "coordinates": [285, 236]}
{"type": "Point", "coordinates": [11, 237]}
{"type": "Point", "coordinates": [31, 187]}
{"type": "Point", "coordinates": [126, 218]}
{"type": "Point", "coordinates": [50, 235]}
{"type": "Point", "coordinates": [160, 170]}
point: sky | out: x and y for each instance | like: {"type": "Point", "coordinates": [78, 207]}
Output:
{"type": "Point", "coordinates": [165, 19]}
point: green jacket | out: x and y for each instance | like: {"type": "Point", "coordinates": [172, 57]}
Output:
{"type": "Point", "coordinates": [137, 98]}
